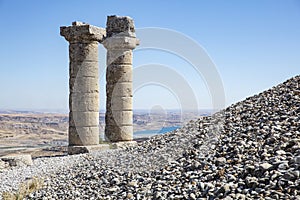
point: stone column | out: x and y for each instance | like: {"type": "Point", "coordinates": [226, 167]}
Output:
{"type": "Point", "coordinates": [119, 42]}
{"type": "Point", "coordinates": [84, 85]}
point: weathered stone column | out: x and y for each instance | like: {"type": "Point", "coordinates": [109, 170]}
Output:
{"type": "Point", "coordinates": [83, 82]}
{"type": "Point", "coordinates": [120, 41]}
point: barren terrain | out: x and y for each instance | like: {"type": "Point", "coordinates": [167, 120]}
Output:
{"type": "Point", "coordinates": [46, 134]}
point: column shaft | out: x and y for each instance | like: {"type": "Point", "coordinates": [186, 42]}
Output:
{"type": "Point", "coordinates": [83, 83]}
{"type": "Point", "coordinates": [119, 44]}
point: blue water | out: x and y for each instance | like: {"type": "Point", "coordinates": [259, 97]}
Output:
{"type": "Point", "coordinates": [148, 133]}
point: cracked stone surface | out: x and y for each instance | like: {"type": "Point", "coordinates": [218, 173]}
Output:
{"type": "Point", "coordinates": [119, 42]}
{"type": "Point", "coordinates": [84, 82]}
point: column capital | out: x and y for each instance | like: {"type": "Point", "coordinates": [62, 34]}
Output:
{"type": "Point", "coordinates": [120, 42]}
{"type": "Point", "coordinates": [120, 33]}
{"type": "Point", "coordinates": [82, 32]}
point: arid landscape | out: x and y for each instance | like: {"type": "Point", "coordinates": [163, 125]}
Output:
{"type": "Point", "coordinates": [250, 150]}
{"type": "Point", "coordinates": [23, 131]}
{"type": "Point", "coordinates": [195, 100]}
{"type": "Point", "coordinates": [46, 134]}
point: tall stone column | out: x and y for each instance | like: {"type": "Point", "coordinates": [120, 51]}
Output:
{"type": "Point", "coordinates": [120, 41]}
{"type": "Point", "coordinates": [84, 85]}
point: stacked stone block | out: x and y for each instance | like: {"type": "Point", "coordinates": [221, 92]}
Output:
{"type": "Point", "coordinates": [120, 41]}
{"type": "Point", "coordinates": [83, 82]}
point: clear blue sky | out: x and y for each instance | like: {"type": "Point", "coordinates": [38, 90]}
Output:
{"type": "Point", "coordinates": [254, 44]}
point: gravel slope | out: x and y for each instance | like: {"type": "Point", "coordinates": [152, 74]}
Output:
{"type": "Point", "coordinates": [251, 150]}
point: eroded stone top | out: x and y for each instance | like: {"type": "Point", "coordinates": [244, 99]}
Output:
{"type": "Point", "coordinates": [120, 33]}
{"type": "Point", "coordinates": [119, 25]}
{"type": "Point", "coordinates": [82, 32]}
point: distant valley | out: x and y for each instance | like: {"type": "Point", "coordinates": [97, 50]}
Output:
{"type": "Point", "coordinates": [21, 130]}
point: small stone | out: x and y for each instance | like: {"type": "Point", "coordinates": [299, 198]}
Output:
{"type": "Point", "coordinates": [266, 166]}
{"type": "Point", "coordinates": [220, 161]}
{"type": "Point", "coordinates": [226, 188]}
{"type": "Point", "coordinates": [132, 183]}
{"type": "Point", "coordinates": [291, 175]}
{"type": "Point", "coordinates": [209, 185]}
{"type": "Point", "coordinates": [251, 182]}
{"type": "Point", "coordinates": [297, 160]}
{"type": "Point", "coordinates": [283, 166]}
{"type": "Point", "coordinates": [129, 195]}
{"type": "Point", "coordinates": [192, 196]}
{"type": "Point", "coordinates": [3, 164]}
{"type": "Point", "coordinates": [249, 167]}
{"type": "Point", "coordinates": [280, 152]}
{"type": "Point", "coordinates": [240, 196]}
{"type": "Point", "coordinates": [202, 186]}
{"type": "Point", "coordinates": [296, 173]}
{"type": "Point", "coordinates": [115, 181]}
{"type": "Point", "coordinates": [231, 177]}
{"type": "Point", "coordinates": [113, 189]}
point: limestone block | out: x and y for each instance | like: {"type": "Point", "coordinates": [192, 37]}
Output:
{"type": "Point", "coordinates": [87, 149]}
{"type": "Point", "coordinates": [118, 117]}
{"type": "Point", "coordinates": [119, 133]}
{"type": "Point", "coordinates": [83, 118]}
{"type": "Point", "coordinates": [83, 135]}
{"type": "Point", "coordinates": [120, 89]}
{"type": "Point", "coordinates": [120, 42]}
{"type": "Point", "coordinates": [119, 103]}
{"type": "Point", "coordinates": [118, 73]}
{"type": "Point", "coordinates": [84, 84]}
{"type": "Point", "coordinates": [117, 56]}
{"type": "Point", "coordinates": [82, 32]}
{"type": "Point", "coordinates": [119, 145]}
{"type": "Point", "coordinates": [84, 69]}
{"type": "Point", "coordinates": [74, 138]}
{"type": "Point", "coordinates": [18, 160]}
{"type": "Point", "coordinates": [79, 52]}
{"type": "Point", "coordinates": [3, 165]}
{"type": "Point", "coordinates": [84, 102]}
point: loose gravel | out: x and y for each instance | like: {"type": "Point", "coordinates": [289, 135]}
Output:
{"type": "Point", "coordinates": [251, 150]}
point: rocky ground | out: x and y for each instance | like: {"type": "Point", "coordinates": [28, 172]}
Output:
{"type": "Point", "coordinates": [251, 150]}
